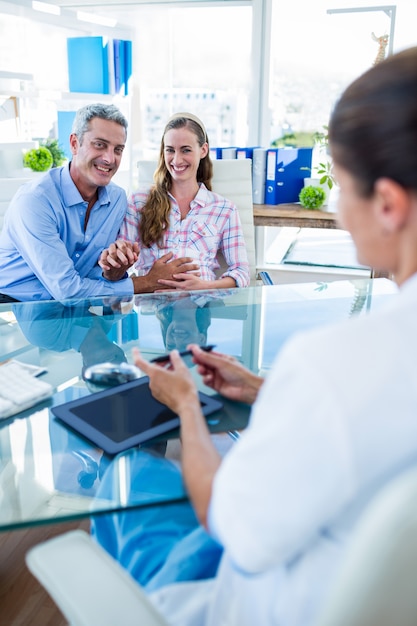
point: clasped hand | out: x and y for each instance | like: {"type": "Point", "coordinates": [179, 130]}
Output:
{"type": "Point", "coordinates": [118, 258]}
{"type": "Point", "coordinates": [166, 272]}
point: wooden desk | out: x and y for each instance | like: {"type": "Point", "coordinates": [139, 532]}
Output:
{"type": "Point", "coordinates": [292, 215]}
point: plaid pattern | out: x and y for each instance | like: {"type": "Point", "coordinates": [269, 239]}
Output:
{"type": "Point", "coordinates": [212, 224]}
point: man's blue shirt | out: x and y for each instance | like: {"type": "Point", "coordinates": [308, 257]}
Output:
{"type": "Point", "coordinates": [45, 252]}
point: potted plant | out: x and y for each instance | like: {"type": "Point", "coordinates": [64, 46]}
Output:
{"type": "Point", "coordinates": [325, 172]}
{"type": "Point", "coordinates": [38, 159]}
{"type": "Point", "coordinates": [58, 154]}
{"type": "Point", "coordinates": [312, 197]}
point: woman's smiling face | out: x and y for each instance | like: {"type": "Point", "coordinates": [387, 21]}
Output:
{"type": "Point", "coordinates": [182, 153]}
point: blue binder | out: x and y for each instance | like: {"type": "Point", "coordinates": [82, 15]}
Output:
{"type": "Point", "coordinates": [118, 69]}
{"type": "Point", "coordinates": [228, 153]}
{"type": "Point", "coordinates": [88, 67]}
{"type": "Point", "coordinates": [65, 120]}
{"type": "Point", "coordinates": [122, 65]}
{"type": "Point", "coordinates": [127, 65]}
{"type": "Point", "coordinates": [215, 153]}
{"type": "Point", "coordinates": [245, 153]}
{"type": "Point", "coordinates": [259, 175]}
{"type": "Point", "coordinates": [223, 153]}
{"type": "Point", "coordinates": [285, 171]}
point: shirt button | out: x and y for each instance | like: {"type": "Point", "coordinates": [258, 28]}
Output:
{"type": "Point", "coordinates": [77, 255]}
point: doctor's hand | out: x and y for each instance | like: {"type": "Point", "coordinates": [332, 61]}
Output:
{"type": "Point", "coordinates": [172, 386]}
{"type": "Point", "coordinates": [226, 375]}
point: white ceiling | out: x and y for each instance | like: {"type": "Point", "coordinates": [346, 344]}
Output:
{"type": "Point", "coordinates": [122, 10]}
{"type": "Point", "coordinates": [121, 4]}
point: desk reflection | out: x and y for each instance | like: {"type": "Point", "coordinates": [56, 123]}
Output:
{"type": "Point", "coordinates": [183, 321]}
{"type": "Point", "coordinates": [89, 330]}
{"type": "Point", "coordinates": [84, 329]}
{"type": "Point", "coordinates": [53, 326]}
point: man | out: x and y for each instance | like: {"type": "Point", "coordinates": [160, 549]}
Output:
{"type": "Point", "coordinates": [57, 226]}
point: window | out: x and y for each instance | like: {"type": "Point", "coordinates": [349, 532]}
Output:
{"type": "Point", "coordinates": [38, 50]}
{"type": "Point", "coordinates": [192, 60]}
{"type": "Point", "coordinates": [317, 49]}
{"type": "Point", "coordinates": [315, 54]}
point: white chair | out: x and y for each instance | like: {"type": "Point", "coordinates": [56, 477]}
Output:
{"type": "Point", "coordinates": [377, 584]}
{"type": "Point", "coordinates": [8, 188]}
{"type": "Point", "coordinates": [232, 178]}
{"type": "Point", "coordinates": [88, 585]}
{"type": "Point", "coordinates": [375, 588]}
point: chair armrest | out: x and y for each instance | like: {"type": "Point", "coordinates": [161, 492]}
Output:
{"type": "Point", "coordinates": [88, 585]}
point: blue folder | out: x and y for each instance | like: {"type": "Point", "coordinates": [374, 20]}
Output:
{"type": "Point", "coordinates": [286, 169]}
{"type": "Point", "coordinates": [88, 67]}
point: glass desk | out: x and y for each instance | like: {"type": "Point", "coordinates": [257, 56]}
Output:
{"type": "Point", "coordinates": [49, 473]}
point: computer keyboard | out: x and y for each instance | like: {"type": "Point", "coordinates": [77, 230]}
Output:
{"type": "Point", "coordinates": [20, 389]}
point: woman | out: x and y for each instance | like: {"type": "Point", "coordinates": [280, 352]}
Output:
{"type": "Point", "coordinates": [335, 420]}
{"type": "Point", "coordinates": [181, 214]}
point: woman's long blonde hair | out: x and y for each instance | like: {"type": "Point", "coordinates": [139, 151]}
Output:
{"type": "Point", "coordinates": [155, 213]}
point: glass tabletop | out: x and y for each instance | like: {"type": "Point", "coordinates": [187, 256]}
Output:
{"type": "Point", "coordinates": [50, 473]}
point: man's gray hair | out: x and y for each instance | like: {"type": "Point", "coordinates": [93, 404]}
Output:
{"type": "Point", "coordinates": [84, 115]}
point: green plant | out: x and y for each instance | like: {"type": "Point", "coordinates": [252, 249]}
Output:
{"type": "Point", "coordinates": [58, 154]}
{"type": "Point", "coordinates": [38, 159]}
{"type": "Point", "coordinates": [321, 137]}
{"type": "Point", "coordinates": [312, 197]}
{"type": "Point", "coordinates": [325, 171]}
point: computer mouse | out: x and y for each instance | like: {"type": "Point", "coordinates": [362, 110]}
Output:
{"type": "Point", "coordinates": [111, 374]}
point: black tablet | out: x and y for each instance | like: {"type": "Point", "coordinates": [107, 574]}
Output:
{"type": "Point", "coordinates": [124, 416]}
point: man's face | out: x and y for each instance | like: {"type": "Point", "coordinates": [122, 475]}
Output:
{"type": "Point", "coordinates": [96, 160]}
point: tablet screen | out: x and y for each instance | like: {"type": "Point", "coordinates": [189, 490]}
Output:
{"type": "Point", "coordinates": [123, 416]}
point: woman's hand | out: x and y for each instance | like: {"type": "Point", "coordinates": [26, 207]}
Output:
{"type": "Point", "coordinates": [172, 386]}
{"type": "Point", "coordinates": [200, 459]}
{"type": "Point", "coordinates": [193, 282]}
{"type": "Point", "coordinates": [226, 375]}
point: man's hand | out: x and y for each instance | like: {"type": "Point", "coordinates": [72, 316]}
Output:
{"type": "Point", "coordinates": [164, 268]}
{"type": "Point", "coordinates": [118, 258]}
{"type": "Point", "coordinates": [226, 375]}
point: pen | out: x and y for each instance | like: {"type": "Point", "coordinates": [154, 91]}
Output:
{"type": "Point", "coordinates": [165, 357]}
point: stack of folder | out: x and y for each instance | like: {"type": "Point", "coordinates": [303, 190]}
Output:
{"type": "Point", "coordinates": [277, 173]}
{"type": "Point", "coordinates": [99, 65]}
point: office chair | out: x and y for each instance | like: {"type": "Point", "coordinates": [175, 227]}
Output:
{"type": "Point", "coordinates": [232, 178]}
{"type": "Point", "coordinates": [376, 586]}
